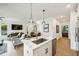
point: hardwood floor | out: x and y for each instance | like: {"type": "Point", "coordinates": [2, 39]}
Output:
{"type": "Point", "coordinates": [63, 48]}
{"type": "Point", "coordinates": [20, 50]}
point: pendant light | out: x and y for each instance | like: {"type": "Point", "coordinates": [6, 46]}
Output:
{"type": "Point", "coordinates": [1, 19]}
{"type": "Point", "coordinates": [31, 17]}
{"type": "Point", "coordinates": [43, 22]}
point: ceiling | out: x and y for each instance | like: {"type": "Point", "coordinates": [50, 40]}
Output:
{"type": "Point", "coordinates": [21, 11]}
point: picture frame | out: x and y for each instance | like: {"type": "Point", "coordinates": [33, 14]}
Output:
{"type": "Point", "coordinates": [16, 27]}
{"type": "Point", "coordinates": [3, 29]}
{"type": "Point", "coordinates": [46, 27]}
{"type": "Point", "coordinates": [57, 28]}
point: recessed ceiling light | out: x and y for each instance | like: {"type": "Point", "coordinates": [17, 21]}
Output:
{"type": "Point", "coordinates": [38, 22]}
{"type": "Point", "coordinates": [61, 16]}
{"type": "Point", "coordinates": [68, 6]}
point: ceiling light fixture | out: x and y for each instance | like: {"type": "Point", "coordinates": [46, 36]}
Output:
{"type": "Point", "coordinates": [1, 18]}
{"type": "Point", "coordinates": [61, 16]}
{"type": "Point", "coordinates": [43, 17]}
{"type": "Point", "coordinates": [68, 6]}
{"type": "Point", "coordinates": [31, 17]}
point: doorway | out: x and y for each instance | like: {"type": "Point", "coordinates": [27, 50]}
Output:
{"type": "Point", "coordinates": [65, 31]}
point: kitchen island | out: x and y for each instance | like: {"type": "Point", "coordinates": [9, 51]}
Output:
{"type": "Point", "coordinates": [42, 49]}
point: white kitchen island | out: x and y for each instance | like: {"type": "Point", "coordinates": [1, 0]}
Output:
{"type": "Point", "coordinates": [42, 49]}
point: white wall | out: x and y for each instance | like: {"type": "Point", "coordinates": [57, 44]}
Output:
{"type": "Point", "coordinates": [65, 23]}
{"type": "Point", "coordinates": [10, 21]}
{"type": "Point", "coordinates": [52, 28]}
{"type": "Point", "coordinates": [58, 35]}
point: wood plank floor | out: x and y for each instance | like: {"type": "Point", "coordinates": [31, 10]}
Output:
{"type": "Point", "coordinates": [20, 50]}
{"type": "Point", "coordinates": [63, 48]}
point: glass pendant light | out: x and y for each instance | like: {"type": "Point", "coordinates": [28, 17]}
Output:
{"type": "Point", "coordinates": [43, 22]}
{"type": "Point", "coordinates": [31, 22]}
{"type": "Point", "coordinates": [31, 17]}
{"type": "Point", "coordinates": [1, 18]}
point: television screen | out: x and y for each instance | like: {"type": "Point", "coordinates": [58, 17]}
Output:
{"type": "Point", "coordinates": [16, 27]}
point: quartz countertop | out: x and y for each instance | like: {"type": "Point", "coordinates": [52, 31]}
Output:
{"type": "Point", "coordinates": [32, 45]}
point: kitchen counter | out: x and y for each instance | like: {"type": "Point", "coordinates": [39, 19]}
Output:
{"type": "Point", "coordinates": [29, 42]}
{"type": "Point", "coordinates": [30, 47]}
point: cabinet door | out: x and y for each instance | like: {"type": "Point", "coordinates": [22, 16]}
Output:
{"type": "Point", "coordinates": [48, 49]}
{"type": "Point", "coordinates": [72, 26]}
{"type": "Point", "coordinates": [39, 51]}
{"type": "Point", "coordinates": [44, 50]}
{"type": "Point", "coordinates": [54, 46]}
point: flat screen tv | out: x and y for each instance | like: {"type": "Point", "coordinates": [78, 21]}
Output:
{"type": "Point", "coordinates": [16, 27]}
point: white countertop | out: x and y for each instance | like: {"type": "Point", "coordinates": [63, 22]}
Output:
{"type": "Point", "coordinates": [32, 45]}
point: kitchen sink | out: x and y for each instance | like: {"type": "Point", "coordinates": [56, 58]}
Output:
{"type": "Point", "coordinates": [39, 41]}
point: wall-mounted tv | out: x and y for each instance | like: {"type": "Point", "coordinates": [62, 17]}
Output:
{"type": "Point", "coordinates": [16, 27]}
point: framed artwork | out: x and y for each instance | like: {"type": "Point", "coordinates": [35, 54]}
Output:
{"type": "Point", "coordinates": [46, 27]}
{"type": "Point", "coordinates": [16, 27]}
{"type": "Point", "coordinates": [57, 28]}
{"type": "Point", "coordinates": [4, 29]}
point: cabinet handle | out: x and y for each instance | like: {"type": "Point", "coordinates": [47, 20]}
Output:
{"type": "Point", "coordinates": [27, 51]}
{"type": "Point", "coordinates": [46, 50]}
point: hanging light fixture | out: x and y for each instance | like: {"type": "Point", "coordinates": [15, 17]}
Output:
{"type": "Point", "coordinates": [1, 18]}
{"type": "Point", "coordinates": [31, 17]}
{"type": "Point", "coordinates": [43, 22]}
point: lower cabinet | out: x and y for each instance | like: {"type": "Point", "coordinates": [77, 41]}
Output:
{"type": "Point", "coordinates": [54, 46]}
{"type": "Point", "coordinates": [44, 50]}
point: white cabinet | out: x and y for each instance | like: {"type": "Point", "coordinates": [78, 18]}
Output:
{"type": "Point", "coordinates": [72, 26]}
{"type": "Point", "coordinates": [10, 49]}
{"type": "Point", "coordinates": [74, 31]}
{"type": "Point", "coordinates": [28, 51]}
{"type": "Point", "coordinates": [44, 50]}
